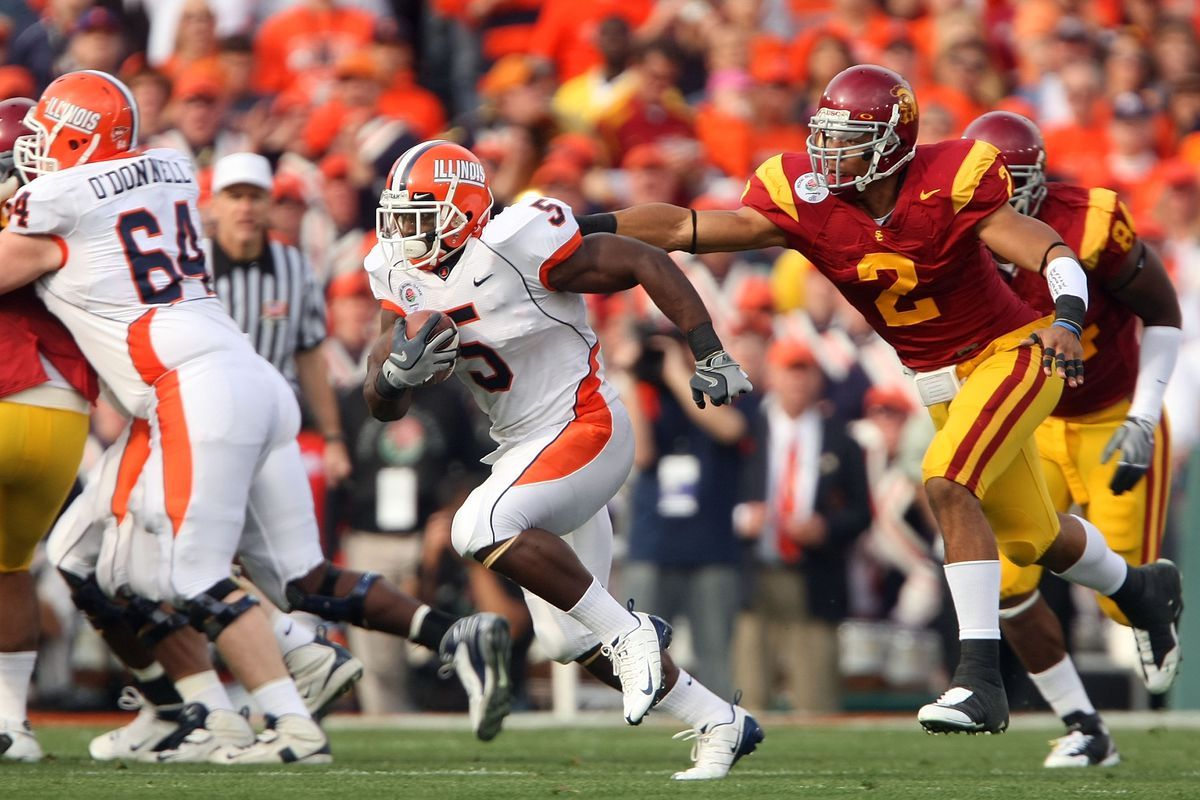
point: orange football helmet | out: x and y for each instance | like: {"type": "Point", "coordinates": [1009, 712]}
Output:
{"type": "Point", "coordinates": [82, 116]}
{"type": "Point", "coordinates": [436, 199]}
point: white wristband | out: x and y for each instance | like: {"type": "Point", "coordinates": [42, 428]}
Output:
{"type": "Point", "coordinates": [1156, 362]}
{"type": "Point", "coordinates": [1065, 276]}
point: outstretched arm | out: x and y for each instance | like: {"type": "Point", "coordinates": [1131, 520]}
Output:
{"type": "Point", "coordinates": [671, 228]}
{"type": "Point", "coordinates": [606, 263]}
{"type": "Point", "coordinates": [27, 258]}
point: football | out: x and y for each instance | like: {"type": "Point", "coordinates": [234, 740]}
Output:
{"type": "Point", "coordinates": [412, 324]}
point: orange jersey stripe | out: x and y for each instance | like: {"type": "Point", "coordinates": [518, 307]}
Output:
{"type": "Point", "coordinates": [176, 448]}
{"type": "Point", "coordinates": [560, 255]}
{"type": "Point", "coordinates": [582, 439]}
{"type": "Point", "coordinates": [141, 349]}
{"type": "Point", "coordinates": [390, 306]}
{"type": "Point", "coordinates": [137, 450]}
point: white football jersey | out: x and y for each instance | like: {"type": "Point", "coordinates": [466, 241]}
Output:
{"type": "Point", "coordinates": [130, 234]}
{"type": "Point", "coordinates": [526, 352]}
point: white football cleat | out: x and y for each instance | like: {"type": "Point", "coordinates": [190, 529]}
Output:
{"type": "Point", "coordinates": [17, 742]}
{"type": "Point", "coordinates": [479, 648]}
{"type": "Point", "coordinates": [716, 748]}
{"type": "Point", "coordinates": [201, 733]}
{"type": "Point", "coordinates": [288, 739]}
{"type": "Point", "coordinates": [137, 740]}
{"type": "Point", "coordinates": [637, 662]}
{"type": "Point", "coordinates": [323, 671]}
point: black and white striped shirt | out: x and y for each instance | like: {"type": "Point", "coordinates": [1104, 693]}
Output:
{"type": "Point", "coordinates": [275, 299]}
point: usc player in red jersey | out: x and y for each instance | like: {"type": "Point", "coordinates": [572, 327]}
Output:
{"type": "Point", "coordinates": [1120, 410]}
{"type": "Point", "coordinates": [904, 233]}
{"type": "Point", "coordinates": [45, 389]}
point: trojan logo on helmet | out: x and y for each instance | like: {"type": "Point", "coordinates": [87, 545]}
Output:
{"type": "Point", "coordinates": [866, 113]}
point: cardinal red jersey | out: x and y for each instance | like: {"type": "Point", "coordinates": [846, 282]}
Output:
{"type": "Point", "coordinates": [1097, 226]}
{"type": "Point", "coordinates": [921, 277]}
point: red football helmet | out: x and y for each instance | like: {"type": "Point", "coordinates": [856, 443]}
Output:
{"type": "Point", "coordinates": [1020, 142]}
{"type": "Point", "coordinates": [437, 197]}
{"type": "Point", "coordinates": [12, 126]}
{"type": "Point", "coordinates": [870, 113]}
{"type": "Point", "coordinates": [82, 116]}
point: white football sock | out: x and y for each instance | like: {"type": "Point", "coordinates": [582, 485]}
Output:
{"type": "Point", "coordinates": [1062, 688]}
{"type": "Point", "coordinates": [289, 633]}
{"type": "Point", "coordinates": [205, 688]}
{"type": "Point", "coordinates": [279, 698]}
{"type": "Point", "coordinates": [1099, 567]}
{"type": "Point", "coordinates": [16, 670]}
{"type": "Point", "coordinates": [693, 703]}
{"type": "Point", "coordinates": [975, 589]}
{"type": "Point", "coordinates": [600, 613]}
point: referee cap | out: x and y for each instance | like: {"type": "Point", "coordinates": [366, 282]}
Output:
{"type": "Point", "coordinates": [248, 168]}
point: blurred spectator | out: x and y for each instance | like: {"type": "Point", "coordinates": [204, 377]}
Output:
{"type": "Point", "coordinates": [288, 206]}
{"type": "Point", "coordinates": [655, 111]}
{"type": "Point", "coordinates": [152, 92]}
{"type": "Point", "coordinates": [516, 123]}
{"type": "Point", "coordinates": [1075, 148]}
{"type": "Point", "coordinates": [333, 124]}
{"type": "Point", "coordinates": [353, 314]}
{"type": "Point", "coordinates": [582, 100]}
{"type": "Point", "coordinates": [649, 176]}
{"type": "Point", "coordinates": [964, 83]}
{"type": "Point", "coordinates": [198, 111]}
{"type": "Point", "coordinates": [97, 42]}
{"type": "Point", "coordinates": [1176, 50]}
{"type": "Point", "coordinates": [562, 179]}
{"type": "Point", "coordinates": [1131, 157]}
{"type": "Point", "coordinates": [683, 553]}
{"type": "Point", "coordinates": [826, 56]}
{"type": "Point", "coordinates": [40, 47]}
{"type": "Point", "coordinates": [334, 233]}
{"type": "Point", "coordinates": [235, 59]}
{"type": "Point", "coordinates": [861, 23]}
{"type": "Point", "coordinates": [195, 40]}
{"type": "Point", "coordinates": [566, 30]}
{"type": "Point", "coordinates": [811, 501]}
{"type": "Point", "coordinates": [402, 97]}
{"type": "Point", "coordinates": [1127, 64]}
{"type": "Point", "coordinates": [302, 44]}
{"type": "Point", "coordinates": [503, 27]}
{"type": "Point", "coordinates": [232, 17]}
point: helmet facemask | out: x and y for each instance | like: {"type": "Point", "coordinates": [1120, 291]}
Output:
{"type": "Point", "coordinates": [869, 140]}
{"type": "Point", "coordinates": [413, 231]}
{"type": "Point", "coordinates": [31, 152]}
{"type": "Point", "coordinates": [1029, 186]}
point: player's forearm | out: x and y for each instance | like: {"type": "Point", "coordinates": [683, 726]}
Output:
{"type": "Point", "coordinates": [671, 291]}
{"type": "Point", "coordinates": [313, 375]}
{"type": "Point", "coordinates": [659, 224]}
{"type": "Point", "coordinates": [385, 402]}
{"type": "Point", "coordinates": [1156, 362]}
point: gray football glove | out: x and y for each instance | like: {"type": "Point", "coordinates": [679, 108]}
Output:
{"type": "Point", "coordinates": [413, 362]}
{"type": "Point", "coordinates": [1135, 440]}
{"type": "Point", "coordinates": [720, 378]}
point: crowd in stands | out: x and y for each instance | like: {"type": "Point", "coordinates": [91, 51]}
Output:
{"type": "Point", "coordinates": [770, 523]}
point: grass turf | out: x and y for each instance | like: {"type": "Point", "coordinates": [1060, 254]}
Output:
{"type": "Point", "coordinates": [810, 762]}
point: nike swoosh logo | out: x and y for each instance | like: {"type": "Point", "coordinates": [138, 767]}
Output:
{"type": "Point", "coordinates": [929, 194]}
{"type": "Point", "coordinates": [483, 280]}
{"type": "Point", "coordinates": [649, 685]}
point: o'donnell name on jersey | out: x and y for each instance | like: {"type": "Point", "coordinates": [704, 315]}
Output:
{"type": "Point", "coordinates": [137, 173]}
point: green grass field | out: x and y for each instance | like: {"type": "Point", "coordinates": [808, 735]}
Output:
{"type": "Point", "coordinates": [882, 761]}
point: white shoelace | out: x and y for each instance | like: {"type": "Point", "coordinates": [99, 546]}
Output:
{"type": "Point", "coordinates": [131, 699]}
{"type": "Point", "coordinates": [1074, 743]}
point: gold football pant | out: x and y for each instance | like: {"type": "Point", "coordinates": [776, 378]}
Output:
{"type": "Point", "coordinates": [40, 450]}
{"type": "Point", "coordinates": [985, 442]}
{"type": "Point", "coordinates": [1132, 523]}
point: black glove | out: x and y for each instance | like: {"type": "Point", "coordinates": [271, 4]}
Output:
{"type": "Point", "coordinates": [720, 378]}
{"type": "Point", "coordinates": [413, 362]}
{"type": "Point", "coordinates": [1135, 440]}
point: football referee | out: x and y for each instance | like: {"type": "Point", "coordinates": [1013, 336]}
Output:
{"type": "Point", "coordinates": [270, 291]}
